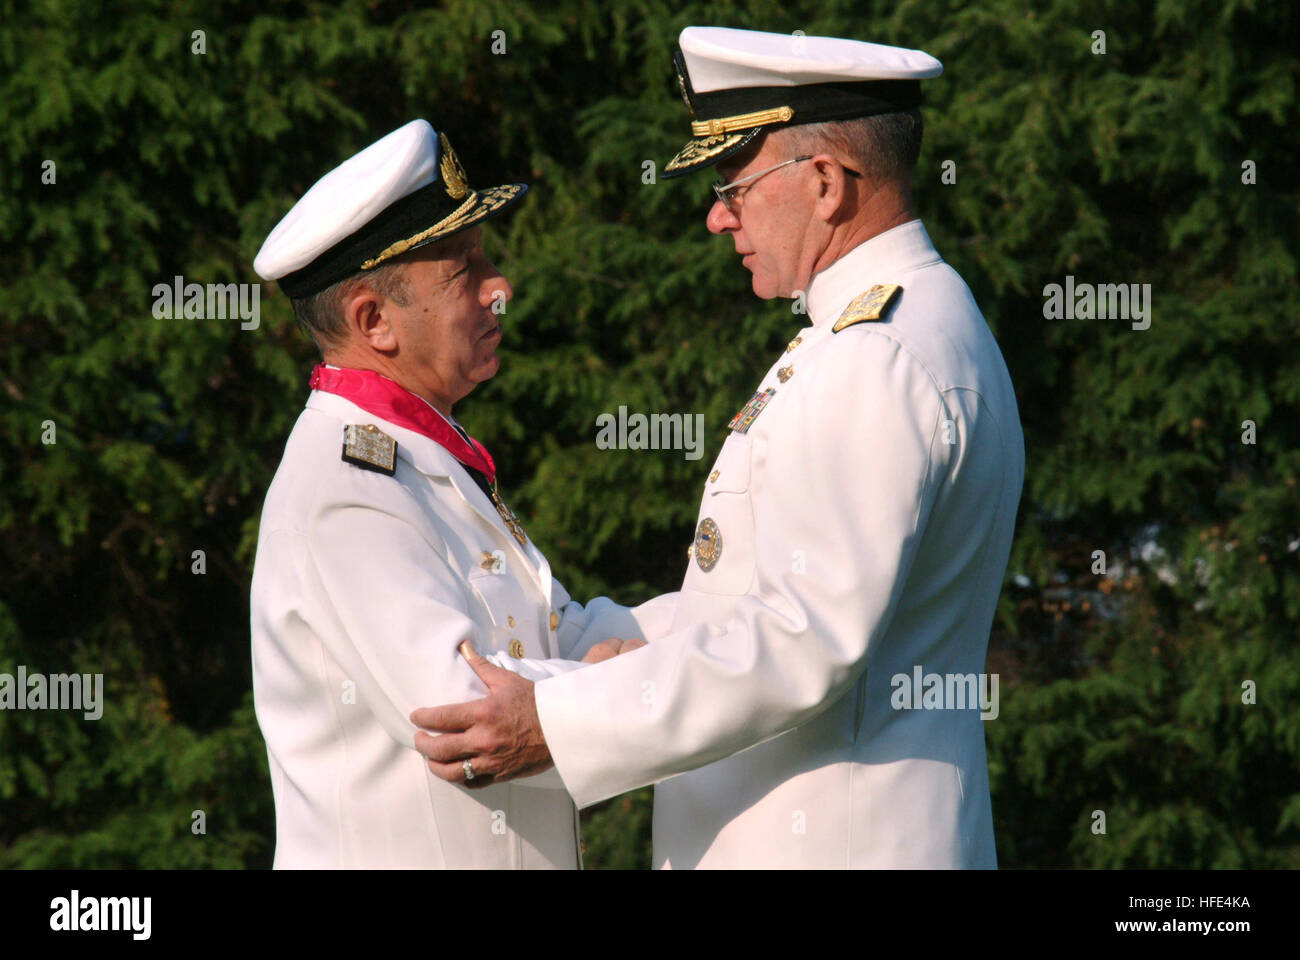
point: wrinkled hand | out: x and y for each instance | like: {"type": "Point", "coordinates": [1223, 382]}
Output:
{"type": "Point", "coordinates": [608, 649]}
{"type": "Point", "coordinates": [500, 734]}
{"type": "Point", "coordinates": [605, 650]}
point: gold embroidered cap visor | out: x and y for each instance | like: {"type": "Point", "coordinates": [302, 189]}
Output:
{"type": "Point", "coordinates": [431, 213]}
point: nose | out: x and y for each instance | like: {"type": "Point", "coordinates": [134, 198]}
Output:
{"type": "Point", "coordinates": [720, 219]}
{"type": "Point", "coordinates": [494, 286]}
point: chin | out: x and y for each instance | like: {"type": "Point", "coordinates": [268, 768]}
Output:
{"type": "Point", "coordinates": [764, 289]}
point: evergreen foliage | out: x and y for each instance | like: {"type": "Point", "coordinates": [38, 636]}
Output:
{"type": "Point", "coordinates": [1122, 691]}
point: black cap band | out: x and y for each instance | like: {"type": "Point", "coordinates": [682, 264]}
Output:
{"type": "Point", "coordinates": [398, 221]}
{"type": "Point", "coordinates": [811, 102]}
{"type": "Point", "coordinates": [814, 102]}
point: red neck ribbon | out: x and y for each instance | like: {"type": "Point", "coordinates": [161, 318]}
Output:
{"type": "Point", "coordinates": [375, 393]}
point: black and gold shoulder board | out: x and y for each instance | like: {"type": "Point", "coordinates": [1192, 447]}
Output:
{"type": "Point", "coordinates": [368, 447]}
{"type": "Point", "coordinates": [869, 306]}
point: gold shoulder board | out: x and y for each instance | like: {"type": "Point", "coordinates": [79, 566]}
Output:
{"type": "Point", "coordinates": [872, 305]}
{"type": "Point", "coordinates": [368, 447]}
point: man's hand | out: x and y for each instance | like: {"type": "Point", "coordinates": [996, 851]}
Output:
{"type": "Point", "coordinates": [608, 649]}
{"type": "Point", "coordinates": [500, 734]}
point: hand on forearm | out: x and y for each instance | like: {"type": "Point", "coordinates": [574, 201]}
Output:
{"type": "Point", "coordinates": [608, 649]}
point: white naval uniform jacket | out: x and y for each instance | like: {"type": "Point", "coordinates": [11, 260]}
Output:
{"type": "Point", "coordinates": [865, 521]}
{"type": "Point", "coordinates": [363, 587]}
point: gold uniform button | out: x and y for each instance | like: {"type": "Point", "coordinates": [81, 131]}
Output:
{"type": "Point", "coordinates": [555, 619]}
{"type": "Point", "coordinates": [510, 621]}
{"type": "Point", "coordinates": [793, 343]}
{"type": "Point", "coordinates": [785, 373]}
{"type": "Point", "coordinates": [516, 649]}
{"type": "Point", "coordinates": [713, 477]}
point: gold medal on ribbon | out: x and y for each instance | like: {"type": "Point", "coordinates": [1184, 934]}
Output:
{"type": "Point", "coordinates": [508, 516]}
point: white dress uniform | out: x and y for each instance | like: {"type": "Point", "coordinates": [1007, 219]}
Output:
{"type": "Point", "coordinates": [857, 528]}
{"type": "Point", "coordinates": [364, 585]}
{"type": "Point", "coordinates": [365, 582]}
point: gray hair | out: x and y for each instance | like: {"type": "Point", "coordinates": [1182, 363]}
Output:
{"type": "Point", "coordinates": [884, 147]}
{"type": "Point", "coordinates": [321, 315]}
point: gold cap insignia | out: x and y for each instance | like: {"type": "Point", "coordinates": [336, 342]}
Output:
{"type": "Point", "coordinates": [708, 544]}
{"type": "Point", "coordinates": [368, 447]}
{"type": "Point", "coordinates": [516, 649]}
{"type": "Point", "coordinates": [872, 305]}
{"type": "Point", "coordinates": [686, 97]}
{"type": "Point", "coordinates": [681, 82]}
{"type": "Point", "coordinates": [453, 174]}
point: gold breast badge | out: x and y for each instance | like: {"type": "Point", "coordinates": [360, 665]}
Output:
{"type": "Point", "coordinates": [708, 544]}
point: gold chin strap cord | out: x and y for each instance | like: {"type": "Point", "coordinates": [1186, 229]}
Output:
{"type": "Point", "coordinates": [741, 121]}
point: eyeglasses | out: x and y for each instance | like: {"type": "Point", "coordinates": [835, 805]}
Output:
{"type": "Point", "coordinates": [723, 190]}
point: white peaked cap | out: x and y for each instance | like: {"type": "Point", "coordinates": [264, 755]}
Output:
{"type": "Point", "coordinates": [720, 58]}
{"type": "Point", "coordinates": [738, 83]}
{"type": "Point", "coordinates": [404, 191]}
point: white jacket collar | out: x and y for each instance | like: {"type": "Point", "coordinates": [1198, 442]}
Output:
{"type": "Point", "coordinates": [882, 259]}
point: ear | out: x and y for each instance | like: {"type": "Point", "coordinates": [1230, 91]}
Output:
{"type": "Point", "coordinates": [369, 317]}
{"type": "Point", "coordinates": [834, 198]}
